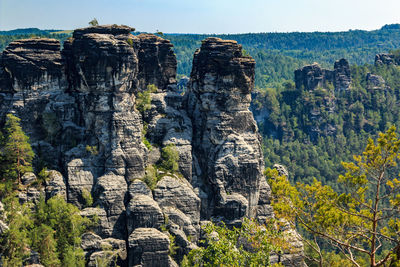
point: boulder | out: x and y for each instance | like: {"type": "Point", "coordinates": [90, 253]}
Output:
{"type": "Point", "coordinates": [178, 193]}
{"type": "Point", "coordinates": [55, 185]}
{"type": "Point", "coordinates": [110, 193]}
{"type": "Point", "coordinates": [28, 178]}
{"type": "Point", "coordinates": [375, 81]}
{"type": "Point", "coordinates": [148, 247]}
{"type": "Point", "coordinates": [143, 212]}
{"type": "Point", "coordinates": [138, 187]}
{"type": "Point", "coordinates": [102, 227]}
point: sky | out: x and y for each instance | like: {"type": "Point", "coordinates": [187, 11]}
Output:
{"type": "Point", "coordinates": [202, 16]}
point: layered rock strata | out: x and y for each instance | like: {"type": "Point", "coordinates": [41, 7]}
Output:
{"type": "Point", "coordinates": [79, 107]}
{"type": "Point", "coordinates": [313, 76]}
{"type": "Point", "coordinates": [226, 144]}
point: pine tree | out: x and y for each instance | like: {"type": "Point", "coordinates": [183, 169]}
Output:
{"type": "Point", "coordinates": [364, 221]}
{"type": "Point", "coordinates": [16, 152]}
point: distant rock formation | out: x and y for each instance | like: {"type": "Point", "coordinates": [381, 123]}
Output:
{"type": "Point", "coordinates": [313, 76]}
{"type": "Point", "coordinates": [375, 81]}
{"type": "Point", "coordinates": [79, 108]}
{"type": "Point", "coordinates": [386, 59]}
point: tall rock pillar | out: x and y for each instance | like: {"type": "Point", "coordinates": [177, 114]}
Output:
{"type": "Point", "coordinates": [226, 143]}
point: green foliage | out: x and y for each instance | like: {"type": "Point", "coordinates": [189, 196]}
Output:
{"type": "Point", "coordinates": [87, 197]}
{"type": "Point", "coordinates": [67, 225]}
{"type": "Point", "coordinates": [296, 132]}
{"type": "Point", "coordinates": [245, 53]}
{"type": "Point", "coordinates": [249, 245]}
{"type": "Point", "coordinates": [108, 257]}
{"type": "Point", "coordinates": [172, 245]}
{"type": "Point", "coordinates": [144, 139]}
{"type": "Point", "coordinates": [363, 221]}
{"type": "Point", "coordinates": [43, 240]}
{"type": "Point", "coordinates": [147, 143]}
{"type": "Point", "coordinates": [93, 22]}
{"type": "Point", "coordinates": [279, 54]}
{"type": "Point", "coordinates": [143, 99]}
{"type": "Point", "coordinates": [169, 158]}
{"type": "Point", "coordinates": [15, 242]}
{"type": "Point", "coordinates": [43, 176]}
{"type": "Point", "coordinates": [159, 33]}
{"type": "Point", "coordinates": [150, 177]}
{"type": "Point", "coordinates": [16, 152]}
{"type": "Point", "coordinates": [130, 42]}
{"type": "Point", "coordinates": [53, 229]}
{"type": "Point", "coordinates": [92, 150]}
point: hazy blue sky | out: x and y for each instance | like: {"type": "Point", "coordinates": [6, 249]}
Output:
{"type": "Point", "coordinates": [202, 16]}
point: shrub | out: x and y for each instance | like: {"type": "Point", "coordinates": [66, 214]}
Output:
{"type": "Point", "coordinates": [143, 99]}
{"type": "Point", "coordinates": [150, 177]}
{"type": "Point", "coordinates": [169, 158]}
{"type": "Point", "coordinates": [87, 197]}
{"type": "Point", "coordinates": [92, 150]}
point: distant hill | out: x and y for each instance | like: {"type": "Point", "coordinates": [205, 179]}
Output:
{"type": "Point", "coordinates": [358, 46]}
{"type": "Point", "coordinates": [391, 27]}
{"type": "Point", "coordinates": [27, 31]}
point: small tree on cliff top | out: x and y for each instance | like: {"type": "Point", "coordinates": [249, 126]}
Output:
{"type": "Point", "coordinates": [364, 221]}
{"type": "Point", "coordinates": [16, 152]}
{"type": "Point", "coordinates": [93, 22]}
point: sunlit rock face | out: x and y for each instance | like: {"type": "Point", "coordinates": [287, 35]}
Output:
{"type": "Point", "coordinates": [226, 143]}
{"type": "Point", "coordinates": [79, 108]}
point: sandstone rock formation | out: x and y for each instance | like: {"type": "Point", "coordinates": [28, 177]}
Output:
{"type": "Point", "coordinates": [386, 59]}
{"type": "Point", "coordinates": [375, 81]}
{"type": "Point", "coordinates": [226, 145]}
{"type": "Point", "coordinates": [313, 76]}
{"type": "Point", "coordinates": [79, 107]}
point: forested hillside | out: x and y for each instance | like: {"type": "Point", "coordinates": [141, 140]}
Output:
{"type": "Point", "coordinates": [313, 131]}
{"type": "Point", "coordinates": [279, 54]}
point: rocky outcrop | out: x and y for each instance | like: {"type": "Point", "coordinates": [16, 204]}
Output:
{"type": "Point", "coordinates": [143, 212]}
{"type": "Point", "coordinates": [109, 251]}
{"type": "Point", "coordinates": [226, 145]}
{"type": "Point", "coordinates": [157, 61]}
{"type": "Point", "coordinates": [32, 65]}
{"type": "Point", "coordinates": [55, 185]}
{"type": "Point", "coordinates": [375, 81]}
{"type": "Point", "coordinates": [341, 75]}
{"type": "Point", "coordinates": [148, 247]}
{"type": "Point", "coordinates": [110, 193]}
{"type": "Point", "coordinates": [386, 59]}
{"type": "Point", "coordinates": [79, 108]}
{"type": "Point", "coordinates": [313, 76]}
{"type": "Point", "coordinates": [178, 193]}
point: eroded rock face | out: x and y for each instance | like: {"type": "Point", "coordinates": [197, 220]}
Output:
{"type": "Point", "coordinates": [313, 76]}
{"type": "Point", "coordinates": [310, 77]}
{"type": "Point", "coordinates": [110, 193]}
{"type": "Point", "coordinates": [55, 185]}
{"type": "Point", "coordinates": [148, 247]}
{"type": "Point", "coordinates": [32, 65]}
{"type": "Point", "coordinates": [375, 81]}
{"type": "Point", "coordinates": [157, 61]}
{"type": "Point", "coordinates": [178, 193]}
{"type": "Point", "coordinates": [386, 59]}
{"type": "Point", "coordinates": [225, 139]}
{"type": "Point", "coordinates": [79, 108]}
{"type": "Point", "coordinates": [143, 212]}
{"type": "Point", "coordinates": [342, 76]}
